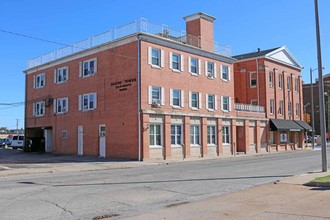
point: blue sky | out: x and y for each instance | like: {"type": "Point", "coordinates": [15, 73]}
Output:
{"type": "Point", "coordinates": [244, 25]}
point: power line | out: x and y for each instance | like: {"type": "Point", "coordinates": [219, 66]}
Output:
{"type": "Point", "coordinates": [34, 38]}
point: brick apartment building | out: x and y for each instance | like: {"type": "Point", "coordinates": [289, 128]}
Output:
{"type": "Point", "coordinates": [145, 91]}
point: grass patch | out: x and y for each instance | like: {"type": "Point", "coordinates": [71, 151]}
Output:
{"type": "Point", "coordinates": [324, 179]}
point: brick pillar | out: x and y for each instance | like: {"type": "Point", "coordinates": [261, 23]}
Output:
{"type": "Point", "coordinates": [277, 140]}
{"type": "Point", "coordinates": [186, 135]}
{"type": "Point", "coordinates": [219, 137]}
{"type": "Point", "coordinates": [233, 137]}
{"type": "Point", "coordinates": [258, 136]}
{"type": "Point", "coordinates": [294, 140]}
{"type": "Point", "coordinates": [246, 136]}
{"type": "Point", "coordinates": [167, 136]}
{"type": "Point", "coordinates": [145, 137]}
{"type": "Point", "coordinates": [301, 141]}
{"type": "Point", "coordinates": [204, 136]}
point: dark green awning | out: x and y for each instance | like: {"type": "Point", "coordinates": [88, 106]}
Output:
{"type": "Point", "coordinates": [284, 125]}
{"type": "Point", "coordinates": [304, 125]}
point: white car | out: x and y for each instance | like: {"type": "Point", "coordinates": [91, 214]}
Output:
{"type": "Point", "coordinates": [17, 141]}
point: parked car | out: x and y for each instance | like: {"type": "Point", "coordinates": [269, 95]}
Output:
{"type": "Point", "coordinates": [8, 141]}
{"type": "Point", "coordinates": [2, 142]}
{"type": "Point", "coordinates": [17, 142]}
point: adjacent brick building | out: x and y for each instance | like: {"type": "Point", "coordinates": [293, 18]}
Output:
{"type": "Point", "coordinates": [145, 91]}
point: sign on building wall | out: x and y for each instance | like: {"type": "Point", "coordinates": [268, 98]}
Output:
{"type": "Point", "coordinates": [283, 137]}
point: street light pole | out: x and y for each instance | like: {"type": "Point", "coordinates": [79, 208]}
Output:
{"type": "Point", "coordinates": [321, 90]}
{"type": "Point", "coordinates": [312, 100]}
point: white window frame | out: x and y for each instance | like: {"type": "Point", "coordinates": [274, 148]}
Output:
{"type": "Point", "coordinates": [280, 81]}
{"type": "Point", "coordinates": [82, 106]}
{"type": "Point", "coordinates": [39, 109]}
{"type": "Point", "coordinates": [178, 137]}
{"type": "Point", "coordinates": [155, 135]}
{"type": "Point", "coordinates": [226, 133]}
{"type": "Point", "coordinates": [194, 135]}
{"type": "Point", "coordinates": [208, 103]}
{"type": "Point", "coordinates": [61, 75]}
{"type": "Point", "coordinates": [180, 62]}
{"type": "Point", "coordinates": [198, 66]}
{"type": "Point", "coordinates": [212, 135]}
{"type": "Point", "coordinates": [160, 57]}
{"type": "Point", "coordinates": [225, 76]}
{"type": "Point", "coordinates": [199, 100]}
{"type": "Point", "coordinates": [61, 105]}
{"type": "Point", "coordinates": [180, 97]}
{"type": "Point", "coordinates": [86, 69]}
{"type": "Point", "coordinates": [160, 100]}
{"type": "Point", "coordinates": [280, 108]}
{"type": "Point", "coordinates": [271, 106]}
{"type": "Point", "coordinates": [39, 81]}
{"type": "Point", "coordinates": [271, 79]}
{"type": "Point", "coordinates": [210, 70]}
{"type": "Point", "coordinates": [253, 79]}
{"type": "Point", "coordinates": [223, 103]}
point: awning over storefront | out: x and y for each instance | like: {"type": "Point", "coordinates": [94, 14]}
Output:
{"type": "Point", "coordinates": [304, 125]}
{"type": "Point", "coordinates": [284, 125]}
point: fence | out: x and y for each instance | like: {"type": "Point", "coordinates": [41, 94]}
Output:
{"type": "Point", "coordinates": [249, 108]}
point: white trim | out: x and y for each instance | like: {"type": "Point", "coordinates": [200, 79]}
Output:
{"type": "Point", "coordinates": [162, 96]}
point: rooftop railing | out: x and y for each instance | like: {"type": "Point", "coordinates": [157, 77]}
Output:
{"type": "Point", "coordinates": [140, 25]}
{"type": "Point", "coordinates": [249, 108]}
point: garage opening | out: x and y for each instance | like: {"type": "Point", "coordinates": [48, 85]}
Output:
{"type": "Point", "coordinates": [38, 139]}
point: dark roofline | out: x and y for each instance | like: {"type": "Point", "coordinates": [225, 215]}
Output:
{"type": "Point", "coordinates": [254, 54]}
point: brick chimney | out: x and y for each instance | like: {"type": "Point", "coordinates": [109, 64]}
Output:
{"type": "Point", "coordinates": [199, 28]}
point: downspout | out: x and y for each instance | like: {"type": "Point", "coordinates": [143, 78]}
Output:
{"type": "Point", "coordinates": [25, 133]}
{"type": "Point", "coordinates": [139, 93]}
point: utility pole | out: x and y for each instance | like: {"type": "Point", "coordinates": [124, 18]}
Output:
{"type": "Point", "coordinates": [321, 91]}
{"type": "Point", "coordinates": [17, 126]}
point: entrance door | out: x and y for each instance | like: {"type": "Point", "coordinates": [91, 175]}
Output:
{"type": "Point", "coordinates": [48, 134]}
{"type": "Point", "coordinates": [80, 140]}
{"type": "Point", "coordinates": [102, 146]}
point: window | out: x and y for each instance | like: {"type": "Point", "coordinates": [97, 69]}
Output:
{"type": "Point", "coordinates": [297, 109]}
{"type": "Point", "coordinates": [271, 79]}
{"type": "Point", "coordinates": [211, 102]}
{"type": "Point", "coordinates": [39, 109]}
{"type": "Point", "coordinates": [194, 66]}
{"type": "Point", "coordinates": [176, 61]}
{"type": "Point", "coordinates": [210, 70]}
{"type": "Point", "coordinates": [64, 134]}
{"type": "Point", "coordinates": [155, 135]}
{"type": "Point", "coordinates": [88, 68]}
{"type": "Point", "coordinates": [177, 98]}
{"type": "Point", "coordinates": [39, 80]}
{"type": "Point", "coordinates": [290, 108]}
{"type": "Point", "coordinates": [253, 80]}
{"type": "Point", "coordinates": [254, 102]}
{"type": "Point", "coordinates": [288, 82]}
{"type": "Point", "coordinates": [271, 106]}
{"type": "Point", "coordinates": [194, 135]}
{"type": "Point", "coordinates": [61, 105]}
{"type": "Point", "coordinates": [296, 84]}
{"type": "Point", "coordinates": [225, 73]}
{"type": "Point", "coordinates": [226, 103]}
{"type": "Point", "coordinates": [280, 110]}
{"type": "Point", "coordinates": [87, 102]}
{"type": "Point", "coordinates": [280, 81]}
{"type": "Point", "coordinates": [61, 74]}
{"type": "Point", "coordinates": [155, 57]}
{"type": "Point", "coordinates": [176, 134]}
{"type": "Point", "coordinates": [225, 135]}
{"type": "Point", "coordinates": [156, 95]}
{"type": "Point", "coordinates": [195, 100]}
{"type": "Point", "coordinates": [211, 135]}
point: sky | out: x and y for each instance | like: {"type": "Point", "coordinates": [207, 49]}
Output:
{"type": "Point", "coordinates": [244, 25]}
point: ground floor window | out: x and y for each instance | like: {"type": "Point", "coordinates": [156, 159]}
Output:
{"type": "Point", "coordinates": [194, 135]}
{"type": "Point", "coordinates": [155, 135]}
{"type": "Point", "coordinates": [211, 135]}
{"type": "Point", "coordinates": [176, 134]}
{"type": "Point", "coordinates": [283, 137]}
{"type": "Point", "coordinates": [225, 135]}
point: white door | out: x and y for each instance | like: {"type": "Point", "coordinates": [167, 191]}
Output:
{"type": "Point", "coordinates": [48, 134]}
{"type": "Point", "coordinates": [102, 140]}
{"type": "Point", "coordinates": [80, 140]}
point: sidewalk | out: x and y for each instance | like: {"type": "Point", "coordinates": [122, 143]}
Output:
{"type": "Point", "coordinates": [287, 199]}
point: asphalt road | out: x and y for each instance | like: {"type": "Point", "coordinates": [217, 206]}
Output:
{"type": "Point", "coordinates": [122, 193]}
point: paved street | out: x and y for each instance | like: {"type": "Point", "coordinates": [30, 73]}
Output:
{"type": "Point", "coordinates": [120, 193]}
